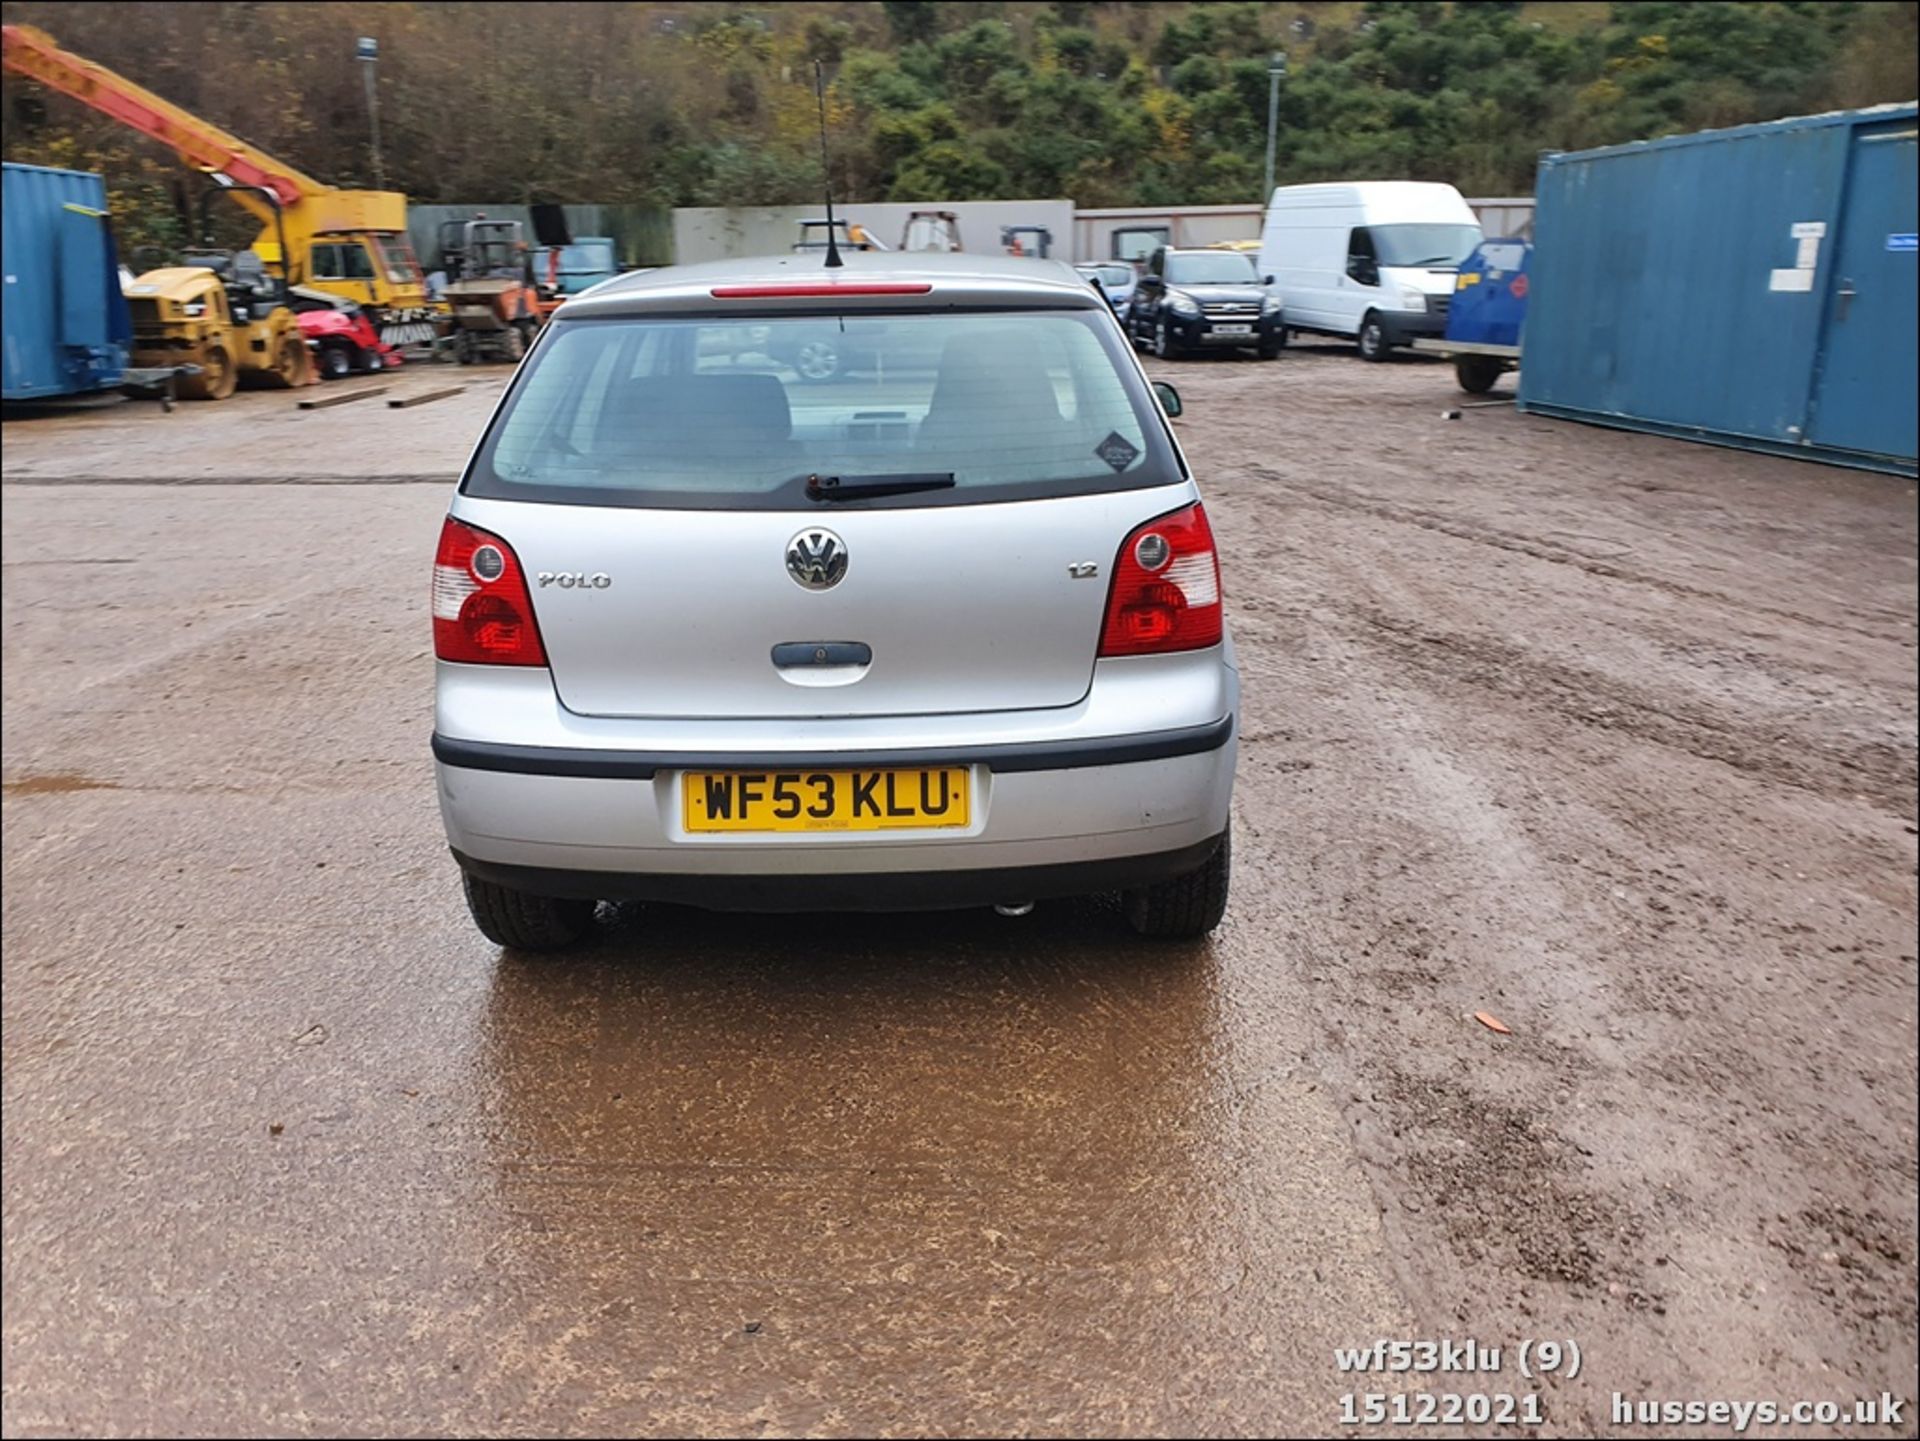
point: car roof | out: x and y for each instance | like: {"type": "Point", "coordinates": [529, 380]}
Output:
{"type": "Point", "coordinates": [952, 278]}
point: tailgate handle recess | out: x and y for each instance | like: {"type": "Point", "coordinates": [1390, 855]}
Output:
{"type": "Point", "coordinates": [792, 653]}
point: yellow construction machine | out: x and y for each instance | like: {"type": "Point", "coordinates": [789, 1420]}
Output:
{"type": "Point", "coordinates": [182, 315]}
{"type": "Point", "coordinates": [223, 317]}
{"type": "Point", "coordinates": [351, 243]}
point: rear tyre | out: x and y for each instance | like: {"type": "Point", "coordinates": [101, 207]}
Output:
{"type": "Point", "coordinates": [370, 361]}
{"type": "Point", "coordinates": [524, 922]}
{"type": "Point", "coordinates": [1164, 345]}
{"type": "Point", "coordinates": [1371, 342]}
{"type": "Point", "coordinates": [1477, 374]}
{"type": "Point", "coordinates": [335, 362]}
{"type": "Point", "coordinates": [1186, 907]}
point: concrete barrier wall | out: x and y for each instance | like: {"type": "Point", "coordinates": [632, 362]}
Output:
{"type": "Point", "coordinates": [1107, 234]}
{"type": "Point", "coordinates": [716, 233]}
{"type": "Point", "coordinates": [642, 234]}
{"type": "Point", "coordinates": [1130, 232]}
{"type": "Point", "coordinates": [1505, 217]}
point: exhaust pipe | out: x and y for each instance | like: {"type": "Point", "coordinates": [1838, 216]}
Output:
{"type": "Point", "coordinates": [1013, 908]}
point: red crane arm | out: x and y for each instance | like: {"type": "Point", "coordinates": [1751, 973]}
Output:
{"type": "Point", "coordinates": [206, 147]}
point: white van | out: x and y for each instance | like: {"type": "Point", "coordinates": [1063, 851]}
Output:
{"type": "Point", "coordinates": [1374, 259]}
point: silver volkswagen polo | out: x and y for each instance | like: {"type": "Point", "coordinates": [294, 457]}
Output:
{"type": "Point", "coordinates": [937, 623]}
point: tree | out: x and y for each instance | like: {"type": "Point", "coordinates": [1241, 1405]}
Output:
{"type": "Point", "coordinates": [1104, 103]}
{"type": "Point", "coordinates": [827, 40]}
{"type": "Point", "coordinates": [912, 20]}
{"type": "Point", "coordinates": [949, 170]}
{"type": "Point", "coordinates": [972, 57]}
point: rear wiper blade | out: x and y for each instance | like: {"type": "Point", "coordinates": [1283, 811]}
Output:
{"type": "Point", "coordinates": [859, 487]}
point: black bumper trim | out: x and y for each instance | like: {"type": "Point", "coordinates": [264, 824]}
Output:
{"type": "Point", "coordinates": [1000, 759]}
{"type": "Point", "coordinates": [1400, 326]}
{"type": "Point", "coordinates": [865, 891]}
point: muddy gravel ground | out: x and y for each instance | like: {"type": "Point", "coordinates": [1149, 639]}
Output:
{"type": "Point", "coordinates": [1609, 737]}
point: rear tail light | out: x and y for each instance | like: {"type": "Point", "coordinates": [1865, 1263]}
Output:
{"type": "Point", "coordinates": [482, 612]}
{"type": "Point", "coordinates": [1166, 588]}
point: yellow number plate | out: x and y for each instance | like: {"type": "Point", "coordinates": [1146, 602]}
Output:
{"type": "Point", "coordinates": [935, 799]}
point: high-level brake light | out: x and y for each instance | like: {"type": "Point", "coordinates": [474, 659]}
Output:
{"type": "Point", "coordinates": [817, 291]}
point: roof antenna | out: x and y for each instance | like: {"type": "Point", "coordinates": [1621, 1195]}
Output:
{"type": "Point", "coordinates": [834, 262]}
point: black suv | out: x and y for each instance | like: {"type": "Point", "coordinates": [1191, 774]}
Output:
{"type": "Point", "coordinates": [1189, 300]}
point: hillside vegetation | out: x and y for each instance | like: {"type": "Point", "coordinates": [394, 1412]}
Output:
{"type": "Point", "coordinates": [1107, 104]}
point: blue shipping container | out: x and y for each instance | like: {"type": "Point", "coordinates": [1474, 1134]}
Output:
{"type": "Point", "coordinates": [1751, 287]}
{"type": "Point", "coordinates": [67, 324]}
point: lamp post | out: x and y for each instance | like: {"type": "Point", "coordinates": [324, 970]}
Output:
{"type": "Point", "coordinates": [1276, 69]}
{"type": "Point", "coordinates": [368, 54]}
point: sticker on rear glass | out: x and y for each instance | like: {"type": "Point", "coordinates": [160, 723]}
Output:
{"type": "Point", "coordinates": [1116, 451]}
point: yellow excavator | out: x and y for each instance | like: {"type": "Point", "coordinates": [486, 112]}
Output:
{"type": "Point", "coordinates": [350, 243]}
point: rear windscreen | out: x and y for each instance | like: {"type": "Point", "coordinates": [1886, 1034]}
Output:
{"type": "Point", "coordinates": [738, 414]}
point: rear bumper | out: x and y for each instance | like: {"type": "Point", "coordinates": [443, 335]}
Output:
{"type": "Point", "coordinates": [853, 891]}
{"type": "Point", "coordinates": [1021, 820]}
{"type": "Point", "coordinates": [1142, 767]}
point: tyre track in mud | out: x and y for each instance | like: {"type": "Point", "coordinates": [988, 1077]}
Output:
{"type": "Point", "coordinates": [1540, 549]}
{"type": "Point", "coordinates": [1505, 749]}
{"type": "Point", "coordinates": [1823, 766]}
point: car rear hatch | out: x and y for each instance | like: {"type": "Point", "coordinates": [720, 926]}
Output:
{"type": "Point", "coordinates": [661, 483]}
{"type": "Point", "coordinates": [939, 609]}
